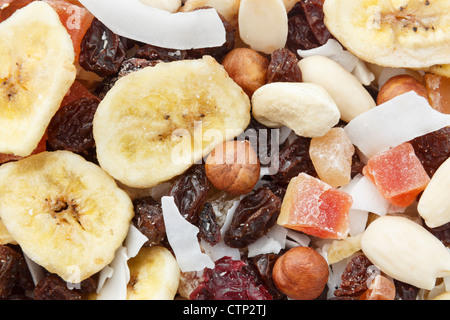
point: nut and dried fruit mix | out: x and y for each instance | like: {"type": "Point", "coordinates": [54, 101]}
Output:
{"type": "Point", "coordinates": [224, 150]}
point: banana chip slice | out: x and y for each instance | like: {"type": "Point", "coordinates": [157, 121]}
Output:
{"type": "Point", "coordinates": [156, 122]}
{"type": "Point", "coordinates": [393, 33]}
{"type": "Point", "coordinates": [36, 71]}
{"type": "Point", "coordinates": [66, 214]}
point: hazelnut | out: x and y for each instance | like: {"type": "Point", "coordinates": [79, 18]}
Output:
{"type": "Point", "coordinates": [398, 85]}
{"type": "Point", "coordinates": [247, 68]}
{"type": "Point", "coordinates": [301, 273]}
{"type": "Point", "coordinates": [233, 167]}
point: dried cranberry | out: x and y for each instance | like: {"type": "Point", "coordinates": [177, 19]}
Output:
{"type": "Point", "coordinates": [255, 215]}
{"type": "Point", "coordinates": [208, 226]}
{"type": "Point", "coordinates": [294, 159]}
{"type": "Point", "coordinates": [102, 51]}
{"type": "Point", "coordinates": [283, 67]}
{"type": "Point", "coordinates": [149, 220]}
{"type": "Point", "coordinates": [52, 287]}
{"type": "Point", "coordinates": [230, 280]}
{"type": "Point", "coordinates": [433, 149]}
{"type": "Point", "coordinates": [71, 127]}
{"type": "Point", "coordinates": [189, 191]}
{"type": "Point", "coordinates": [355, 277]}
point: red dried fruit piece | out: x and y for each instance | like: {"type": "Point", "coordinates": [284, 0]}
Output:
{"type": "Point", "coordinates": [8, 7]}
{"type": "Point", "coordinates": [230, 280]}
{"type": "Point", "coordinates": [398, 174]}
{"type": "Point", "coordinates": [315, 208]}
{"type": "Point", "coordinates": [77, 91]}
{"type": "Point", "coordinates": [75, 18]}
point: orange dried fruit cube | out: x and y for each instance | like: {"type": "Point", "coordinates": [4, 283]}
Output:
{"type": "Point", "coordinates": [398, 174]}
{"type": "Point", "coordinates": [77, 91]}
{"type": "Point", "coordinates": [315, 208]}
{"type": "Point", "coordinates": [75, 18]}
{"type": "Point", "coordinates": [381, 288]}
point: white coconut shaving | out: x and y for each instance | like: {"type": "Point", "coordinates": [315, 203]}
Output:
{"type": "Point", "coordinates": [182, 30]}
{"type": "Point", "coordinates": [394, 122]}
{"type": "Point", "coordinates": [182, 237]}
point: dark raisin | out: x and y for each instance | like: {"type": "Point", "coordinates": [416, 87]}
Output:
{"type": "Point", "coordinates": [71, 127]}
{"type": "Point", "coordinates": [405, 291]}
{"type": "Point", "coordinates": [306, 29]}
{"type": "Point", "coordinates": [283, 67]}
{"type": "Point", "coordinates": [433, 149]}
{"type": "Point", "coordinates": [263, 140]}
{"type": "Point", "coordinates": [314, 14]}
{"type": "Point", "coordinates": [9, 270]}
{"type": "Point", "coordinates": [102, 51]}
{"type": "Point", "coordinates": [208, 226]}
{"type": "Point", "coordinates": [355, 277]}
{"type": "Point", "coordinates": [442, 233]}
{"type": "Point", "coordinates": [190, 191]}
{"type": "Point", "coordinates": [230, 280]}
{"type": "Point", "coordinates": [154, 53]}
{"type": "Point", "coordinates": [87, 286]}
{"type": "Point", "coordinates": [294, 159]}
{"type": "Point", "coordinates": [255, 215]}
{"type": "Point", "coordinates": [149, 220]}
{"type": "Point", "coordinates": [216, 52]}
{"type": "Point", "coordinates": [52, 287]}
{"type": "Point", "coordinates": [135, 64]}
{"type": "Point", "coordinates": [357, 165]}
{"type": "Point", "coordinates": [263, 266]}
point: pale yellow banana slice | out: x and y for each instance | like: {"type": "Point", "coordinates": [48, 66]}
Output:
{"type": "Point", "coordinates": [154, 275]}
{"type": "Point", "coordinates": [393, 33]}
{"type": "Point", "coordinates": [67, 214]}
{"type": "Point", "coordinates": [36, 70]}
{"type": "Point", "coordinates": [5, 236]}
{"type": "Point", "coordinates": [156, 122]}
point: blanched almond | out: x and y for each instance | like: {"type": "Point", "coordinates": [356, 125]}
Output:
{"type": "Point", "coordinates": [406, 251]}
{"type": "Point", "coordinates": [434, 204]}
{"type": "Point", "coordinates": [346, 90]}
{"type": "Point", "coordinates": [263, 24]}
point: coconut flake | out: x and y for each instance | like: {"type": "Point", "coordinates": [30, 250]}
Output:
{"type": "Point", "coordinates": [272, 242]}
{"type": "Point", "coordinates": [115, 277]}
{"type": "Point", "coordinates": [182, 237]}
{"type": "Point", "coordinates": [394, 122]}
{"type": "Point", "coordinates": [182, 30]}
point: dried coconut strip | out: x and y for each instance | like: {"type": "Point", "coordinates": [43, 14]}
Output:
{"type": "Point", "coordinates": [182, 30]}
{"type": "Point", "coordinates": [272, 242]}
{"type": "Point", "coordinates": [182, 237]}
{"type": "Point", "coordinates": [394, 122]}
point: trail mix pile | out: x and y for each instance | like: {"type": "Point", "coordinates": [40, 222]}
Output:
{"type": "Point", "coordinates": [224, 150]}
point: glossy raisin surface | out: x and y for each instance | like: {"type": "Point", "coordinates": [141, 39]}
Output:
{"type": "Point", "coordinates": [255, 215]}
{"type": "Point", "coordinates": [283, 67]}
{"type": "Point", "coordinates": [306, 29]}
{"type": "Point", "coordinates": [293, 160]}
{"type": "Point", "coordinates": [230, 280]}
{"type": "Point", "coordinates": [71, 127]}
{"type": "Point", "coordinates": [209, 229]}
{"type": "Point", "coordinates": [149, 220]}
{"type": "Point", "coordinates": [102, 51]}
{"type": "Point", "coordinates": [190, 191]}
{"type": "Point", "coordinates": [52, 287]}
{"type": "Point", "coordinates": [433, 149]}
{"type": "Point", "coordinates": [354, 280]}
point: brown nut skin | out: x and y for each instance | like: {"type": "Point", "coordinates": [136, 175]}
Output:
{"type": "Point", "coordinates": [398, 85]}
{"type": "Point", "coordinates": [233, 167]}
{"type": "Point", "coordinates": [247, 68]}
{"type": "Point", "coordinates": [301, 273]}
